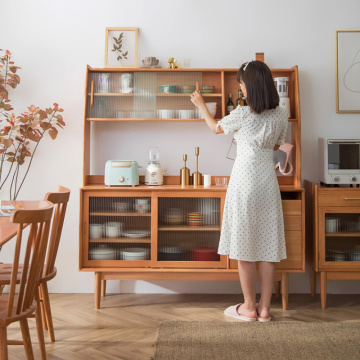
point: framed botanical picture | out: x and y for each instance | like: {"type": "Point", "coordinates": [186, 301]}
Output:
{"type": "Point", "coordinates": [348, 71]}
{"type": "Point", "coordinates": [121, 47]}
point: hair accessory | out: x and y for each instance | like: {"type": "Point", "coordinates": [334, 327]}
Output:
{"type": "Point", "coordinates": [246, 65]}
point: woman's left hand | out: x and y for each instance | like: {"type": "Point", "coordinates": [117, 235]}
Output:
{"type": "Point", "coordinates": [197, 99]}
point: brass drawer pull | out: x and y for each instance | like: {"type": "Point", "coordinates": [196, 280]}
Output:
{"type": "Point", "coordinates": [352, 198]}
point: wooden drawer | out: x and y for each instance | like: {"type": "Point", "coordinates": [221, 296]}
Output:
{"type": "Point", "coordinates": [292, 222]}
{"type": "Point", "coordinates": [335, 197]}
{"type": "Point", "coordinates": [291, 207]}
{"type": "Point", "coordinates": [293, 251]}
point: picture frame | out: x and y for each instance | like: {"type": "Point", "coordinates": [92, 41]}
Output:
{"type": "Point", "coordinates": [348, 71]}
{"type": "Point", "coordinates": [121, 47]}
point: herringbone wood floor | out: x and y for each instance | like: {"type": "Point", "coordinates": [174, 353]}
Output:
{"type": "Point", "coordinates": [126, 325]}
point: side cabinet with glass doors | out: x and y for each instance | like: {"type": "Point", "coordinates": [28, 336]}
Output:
{"type": "Point", "coordinates": [333, 233]}
{"type": "Point", "coordinates": [116, 229]}
{"type": "Point", "coordinates": [188, 231]}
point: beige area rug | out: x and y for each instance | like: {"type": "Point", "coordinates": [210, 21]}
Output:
{"type": "Point", "coordinates": [212, 340]}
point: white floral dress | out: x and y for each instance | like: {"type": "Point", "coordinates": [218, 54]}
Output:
{"type": "Point", "coordinates": [253, 224]}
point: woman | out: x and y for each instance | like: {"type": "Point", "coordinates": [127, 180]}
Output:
{"type": "Point", "coordinates": [253, 227]}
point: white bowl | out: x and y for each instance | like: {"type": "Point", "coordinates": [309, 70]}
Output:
{"type": "Point", "coordinates": [186, 114]}
{"type": "Point", "coordinates": [96, 231]}
{"type": "Point", "coordinates": [166, 114]}
{"type": "Point", "coordinates": [102, 254]}
{"type": "Point", "coordinates": [212, 110]}
{"type": "Point", "coordinates": [134, 254]}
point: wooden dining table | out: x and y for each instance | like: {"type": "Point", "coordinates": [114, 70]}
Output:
{"type": "Point", "coordinates": [7, 229]}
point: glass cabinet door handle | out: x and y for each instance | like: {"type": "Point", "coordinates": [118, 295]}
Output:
{"type": "Point", "coordinates": [92, 94]}
{"type": "Point", "coordinates": [352, 198]}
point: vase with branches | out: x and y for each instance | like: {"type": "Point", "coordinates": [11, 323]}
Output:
{"type": "Point", "coordinates": [20, 135]}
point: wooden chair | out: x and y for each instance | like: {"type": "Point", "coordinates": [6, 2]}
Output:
{"type": "Point", "coordinates": [59, 198]}
{"type": "Point", "coordinates": [18, 306]}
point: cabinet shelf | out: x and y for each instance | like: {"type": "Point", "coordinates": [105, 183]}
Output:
{"type": "Point", "coordinates": [157, 95]}
{"type": "Point", "coordinates": [142, 119]}
{"type": "Point", "coordinates": [119, 214]}
{"type": "Point", "coordinates": [189, 228]}
{"type": "Point", "coordinates": [122, 240]}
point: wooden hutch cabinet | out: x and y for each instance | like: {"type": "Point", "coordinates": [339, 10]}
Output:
{"type": "Point", "coordinates": [332, 234]}
{"type": "Point", "coordinates": [148, 232]}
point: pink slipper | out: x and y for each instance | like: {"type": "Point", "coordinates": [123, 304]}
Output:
{"type": "Point", "coordinates": [231, 311]}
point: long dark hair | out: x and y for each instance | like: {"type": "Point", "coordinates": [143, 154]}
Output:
{"type": "Point", "coordinates": [261, 91]}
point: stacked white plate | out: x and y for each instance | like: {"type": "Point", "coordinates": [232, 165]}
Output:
{"type": "Point", "coordinates": [134, 254]}
{"type": "Point", "coordinates": [102, 253]}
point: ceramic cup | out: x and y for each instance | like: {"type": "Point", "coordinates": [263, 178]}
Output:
{"type": "Point", "coordinates": [113, 229]}
{"type": "Point", "coordinates": [207, 180]}
{"type": "Point", "coordinates": [331, 225]}
{"type": "Point", "coordinates": [96, 231]}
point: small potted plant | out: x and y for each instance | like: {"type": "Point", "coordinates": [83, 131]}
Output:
{"type": "Point", "coordinates": [20, 135]}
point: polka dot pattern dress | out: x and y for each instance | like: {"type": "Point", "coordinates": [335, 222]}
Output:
{"type": "Point", "coordinates": [253, 223]}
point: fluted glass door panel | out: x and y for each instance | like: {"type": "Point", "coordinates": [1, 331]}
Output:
{"type": "Point", "coordinates": [342, 237]}
{"type": "Point", "coordinates": [119, 228]}
{"type": "Point", "coordinates": [188, 229]}
{"type": "Point", "coordinates": [142, 95]}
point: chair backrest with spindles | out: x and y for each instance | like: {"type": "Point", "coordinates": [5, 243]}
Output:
{"type": "Point", "coordinates": [59, 198]}
{"type": "Point", "coordinates": [32, 259]}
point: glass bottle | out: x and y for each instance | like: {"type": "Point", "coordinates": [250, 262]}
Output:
{"type": "Point", "coordinates": [239, 100]}
{"type": "Point", "coordinates": [230, 105]}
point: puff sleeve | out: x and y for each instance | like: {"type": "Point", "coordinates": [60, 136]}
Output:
{"type": "Point", "coordinates": [232, 122]}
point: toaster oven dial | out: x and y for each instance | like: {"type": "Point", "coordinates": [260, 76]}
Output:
{"type": "Point", "coordinates": [121, 179]}
{"type": "Point", "coordinates": [336, 178]}
{"type": "Point", "coordinates": [353, 179]}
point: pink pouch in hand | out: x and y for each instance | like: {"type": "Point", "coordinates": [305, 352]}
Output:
{"type": "Point", "coordinates": [281, 159]}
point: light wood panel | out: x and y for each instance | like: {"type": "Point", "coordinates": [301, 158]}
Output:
{"type": "Point", "coordinates": [126, 327]}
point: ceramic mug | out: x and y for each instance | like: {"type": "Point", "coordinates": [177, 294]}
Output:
{"type": "Point", "coordinates": [96, 231]}
{"type": "Point", "coordinates": [113, 229]}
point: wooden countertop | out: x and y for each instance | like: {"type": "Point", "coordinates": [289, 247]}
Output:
{"type": "Point", "coordinates": [212, 188]}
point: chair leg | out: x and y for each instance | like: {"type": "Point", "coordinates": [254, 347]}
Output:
{"type": "Point", "coordinates": [1, 289]}
{"type": "Point", "coordinates": [42, 306]}
{"type": "Point", "coordinates": [3, 344]}
{"type": "Point", "coordinates": [27, 339]}
{"type": "Point", "coordinates": [40, 331]}
{"type": "Point", "coordinates": [47, 317]}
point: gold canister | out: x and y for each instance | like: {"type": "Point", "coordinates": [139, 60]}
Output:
{"type": "Point", "coordinates": [184, 173]}
{"type": "Point", "coordinates": [196, 176]}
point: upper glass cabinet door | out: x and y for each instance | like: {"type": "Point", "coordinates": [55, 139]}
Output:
{"type": "Point", "coordinates": [145, 95]}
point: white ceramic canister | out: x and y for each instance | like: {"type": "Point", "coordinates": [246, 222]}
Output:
{"type": "Point", "coordinates": [96, 231]}
{"type": "Point", "coordinates": [113, 229]}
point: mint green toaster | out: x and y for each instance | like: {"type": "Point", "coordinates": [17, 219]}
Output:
{"type": "Point", "coordinates": [121, 173]}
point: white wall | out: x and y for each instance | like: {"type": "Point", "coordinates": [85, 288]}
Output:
{"type": "Point", "coordinates": [54, 40]}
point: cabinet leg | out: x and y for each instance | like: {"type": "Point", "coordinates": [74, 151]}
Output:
{"type": "Point", "coordinates": [285, 289]}
{"type": "Point", "coordinates": [103, 288]}
{"type": "Point", "coordinates": [312, 281]}
{"type": "Point", "coordinates": [97, 290]}
{"type": "Point", "coordinates": [277, 288]}
{"type": "Point", "coordinates": [323, 289]}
